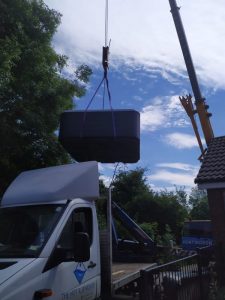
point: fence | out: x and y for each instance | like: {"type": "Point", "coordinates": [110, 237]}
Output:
{"type": "Point", "coordinates": [183, 279]}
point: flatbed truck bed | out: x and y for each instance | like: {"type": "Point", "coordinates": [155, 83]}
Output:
{"type": "Point", "coordinates": [125, 273]}
{"type": "Point", "coordinates": [117, 274]}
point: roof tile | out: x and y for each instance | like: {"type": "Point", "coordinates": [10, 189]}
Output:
{"type": "Point", "coordinates": [213, 167]}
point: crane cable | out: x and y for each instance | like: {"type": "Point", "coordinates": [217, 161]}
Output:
{"type": "Point", "coordinates": [105, 64]}
{"type": "Point", "coordinates": [106, 22]}
{"type": "Point", "coordinates": [106, 44]}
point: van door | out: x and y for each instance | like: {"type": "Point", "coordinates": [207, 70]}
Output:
{"type": "Point", "coordinates": [69, 279]}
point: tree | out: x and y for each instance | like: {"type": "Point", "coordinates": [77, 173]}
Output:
{"type": "Point", "coordinates": [101, 205]}
{"type": "Point", "coordinates": [196, 196]}
{"type": "Point", "coordinates": [201, 210]}
{"type": "Point", "coordinates": [129, 185]}
{"type": "Point", "coordinates": [171, 212]}
{"type": "Point", "coordinates": [33, 91]}
{"type": "Point", "coordinates": [182, 197]}
{"type": "Point", "coordinates": [166, 209]}
{"type": "Point", "coordinates": [199, 205]}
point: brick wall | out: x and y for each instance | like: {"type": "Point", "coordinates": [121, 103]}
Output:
{"type": "Point", "coordinates": [216, 199]}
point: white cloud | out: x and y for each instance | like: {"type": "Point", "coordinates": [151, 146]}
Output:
{"type": "Point", "coordinates": [137, 98]}
{"type": "Point", "coordinates": [182, 174]}
{"type": "Point", "coordinates": [172, 189]}
{"type": "Point", "coordinates": [106, 179]}
{"type": "Point", "coordinates": [109, 171]}
{"type": "Point", "coordinates": [144, 34]}
{"type": "Point", "coordinates": [164, 112]}
{"type": "Point", "coordinates": [179, 166]}
{"type": "Point", "coordinates": [152, 117]}
{"type": "Point", "coordinates": [173, 178]}
{"type": "Point", "coordinates": [169, 188]}
{"type": "Point", "coordinates": [181, 140]}
{"type": "Point", "coordinates": [111, 167]}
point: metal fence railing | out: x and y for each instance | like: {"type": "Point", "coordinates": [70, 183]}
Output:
{"type": "Point", "coordinates": [183, 279]}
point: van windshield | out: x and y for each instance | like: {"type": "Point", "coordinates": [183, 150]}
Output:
{"type": "Point", "coordinates": [24, 230]}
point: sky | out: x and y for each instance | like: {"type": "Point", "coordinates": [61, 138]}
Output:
{"type": "Point", "coordinates": [147, 73]}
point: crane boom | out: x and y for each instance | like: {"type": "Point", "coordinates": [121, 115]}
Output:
{"type": "Point", "coordinates": [201, 107]}
{"type": "Point", "coordinates": [189, 108]}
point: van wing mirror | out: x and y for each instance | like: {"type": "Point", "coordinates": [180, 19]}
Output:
{"type": "Point", "coordinates": [81, 247]}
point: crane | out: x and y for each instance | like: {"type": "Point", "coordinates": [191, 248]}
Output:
{"type": "Point", "coordinates": [199, 107]}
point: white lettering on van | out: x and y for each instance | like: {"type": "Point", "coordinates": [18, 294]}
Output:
{"type": "Point", "coordinates": [86, 291]}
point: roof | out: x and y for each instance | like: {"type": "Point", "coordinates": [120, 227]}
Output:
{"type": "Point", "coordinates": [213, 167]}
{"type": "Point", "coordinates": [78, 180]}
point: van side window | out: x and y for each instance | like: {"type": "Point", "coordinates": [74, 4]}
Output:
{"type": "Point", "coordinates": [82, 218]}
{"type": "Point", "coordinates": [79, 221]}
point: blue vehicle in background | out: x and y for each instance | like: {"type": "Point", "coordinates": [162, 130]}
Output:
{"type": "Point", "coordinates": [197, 234]}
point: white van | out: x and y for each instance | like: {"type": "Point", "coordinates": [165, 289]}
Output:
{"type": "Point", "coordinates": [49, 237]}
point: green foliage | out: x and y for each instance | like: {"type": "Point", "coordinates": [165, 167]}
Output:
{"type": "Point", "coordinates": [101, 205]}
{"type": "Point", "coordinates": [201, 210]}
{"type": "Point", "coordinates": [33, 92]}
{"type": "Point", "coordinates": [182, 197]}
{"type": "Point", "coordinates": [163, 239]}
{"type": "Point", "coordinates": [128, 186]}
{"type": "Point", "coordinates": [196, 196]}
{"type": "Point", "coordinates": [162, 212]}
{"type": "Point", "coordinates": [171, 212]}
{"type": "Point", "coordinates": [122, 232]}
{"type": "Point", "coordinates": [102, 223]}
{"type": "Point", "coordinates": [151, 229]}
{"type": "Point", "coordinates": [167, 236]}
{"type": "Point", "coordinates": [199, 205]}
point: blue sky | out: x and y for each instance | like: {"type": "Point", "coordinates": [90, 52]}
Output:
{"type": "Point", "coordinates": [147, 73]}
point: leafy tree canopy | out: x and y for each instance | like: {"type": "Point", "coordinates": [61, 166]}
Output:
{"type": "Point", "coordinates": [128, 185]}
{"type": "Point", "coordinates": [132, 192]}
{"type": "Point", "coordinates": [201, 210]}
{"type": "Point", "coordinates": [196, 196]}
{"type": "Point", "coordinates": [33, 92]}
{"type": "Point", "coordinates": [200, 207]}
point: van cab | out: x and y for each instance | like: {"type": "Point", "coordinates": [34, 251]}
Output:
{"type": "Point", "coordinates": [49, 239]}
